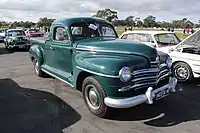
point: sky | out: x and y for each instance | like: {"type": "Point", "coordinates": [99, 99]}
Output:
{"type": "Point", "coordinates": [163, 10]}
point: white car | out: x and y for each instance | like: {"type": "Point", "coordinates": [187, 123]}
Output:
{"type": "Point", "coordinates": [2, 34]}
{"type": "Point", "coordinates": [161, 40]}
{"type": "Point", "coordinates": [186, 58]}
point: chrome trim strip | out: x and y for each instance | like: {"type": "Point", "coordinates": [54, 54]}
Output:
{"type": "Point", "coordinates": [143, 71]}
{"type": "Point", "coordinates": [144, 78]}
{"type": "Point", "coordinates": [99, 74]}
{"type": "Point", "coordinates": [154, 62]}
{"type": "Point", "coordinates": [112, 51]}
{"type": "Point", "coordinates": [57, 77]}
{"type": "Point", "coordinates": [163, 65]}
{"type": "Point", "coordinates": [158, 80]}
{"type": "Point", "coordinates": [149, 70]}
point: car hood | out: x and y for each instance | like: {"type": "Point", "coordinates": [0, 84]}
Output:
{"type": "Point", "coordinates": [2, 34]}
{"type": "Point", "coordinates": [113, 45]}
{"type": "Point", "coordinates": [192, 40]}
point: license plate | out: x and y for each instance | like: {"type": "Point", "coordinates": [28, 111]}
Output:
{"type": "Point", "coordinates": [162, 94]}
{"type": "Point", "coordinates": [21, 46]}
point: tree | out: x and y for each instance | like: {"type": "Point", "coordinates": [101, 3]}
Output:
{"type": "Point", "coordinates": [45, 22]}
{"type": "Point", "coordinates": [119, 23]}
{"type": "Point", "coordinates": [129, 21]}
{"type": "Point", "coordinates": [138, 22]}
{"type": "Point", "coordinates": [107, 14]}
{"type": "Point", "coordinates": [150, 21]}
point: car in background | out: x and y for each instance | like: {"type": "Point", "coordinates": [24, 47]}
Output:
{"type": "Point", "coordinates": [186, 58]}
{"type": "Point", "coordinates": [2, 34]}
{"type": "Point", "coordinates": [161, 40]}
{"type": "Point", "coordinates": [16, 38]}
{"type": "Point", "coordinates": [34, 33]}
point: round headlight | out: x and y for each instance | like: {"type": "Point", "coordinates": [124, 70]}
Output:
{"type": "Point", "coordinates": [125, 74]}
{"type": "Point", "coordinates": [169, 62]}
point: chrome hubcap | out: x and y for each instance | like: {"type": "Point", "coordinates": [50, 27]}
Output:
{"type": "Point", "coordinates": [181, 73]}
{"type": "Point", "coordinates": [92, 97]}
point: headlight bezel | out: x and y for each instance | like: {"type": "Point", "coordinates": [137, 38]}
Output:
{"type": "Point", "coordinates": [169, 62]}
{"type": "Point", "coordinates": [125, 74]}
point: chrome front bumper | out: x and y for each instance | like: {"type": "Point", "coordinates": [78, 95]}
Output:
{"type": "Point", "coordinates": [148, 97]}
{"type": "Point", "coordinates": [20, 46]}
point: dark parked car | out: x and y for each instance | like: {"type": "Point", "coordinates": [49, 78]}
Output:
{"type": "Point", "coordinates": [15, 38]}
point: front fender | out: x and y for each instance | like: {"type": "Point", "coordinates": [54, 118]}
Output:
{"type": "Point", "coordinates": [35, 51]}
{"type": "Point", "coordinates": [109, 65]}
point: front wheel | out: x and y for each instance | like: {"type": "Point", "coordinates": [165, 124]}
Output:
{"type": "Point", "coordinates": [37, 69]}
{"type": "Point", "coordinates": [94, 95]}
{"type": "Point", "coordinates": [182, 72]}
{"type": "Point", "coordinates": [6, 46]}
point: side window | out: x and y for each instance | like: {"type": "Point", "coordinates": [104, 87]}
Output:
{"type": "Point", "coordinates": [60, 34]}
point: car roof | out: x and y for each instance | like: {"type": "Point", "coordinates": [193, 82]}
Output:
{"type": "Point", "coordinates": [70, 21]}
{"type": "Point", "coordinates": [152, 32]}
{"type": "Point", "coordinates": [14, 30]}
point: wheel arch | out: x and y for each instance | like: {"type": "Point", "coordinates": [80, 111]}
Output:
{"type": "Point", "coordinates": [80, 78]}
{"type": "Point", "coordinates": [35, 52]}
{"type": "Point", "coordinates": [175, 62]}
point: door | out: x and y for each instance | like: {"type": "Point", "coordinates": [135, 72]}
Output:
{"type": "Point", "coordinates": [48, 53]}
{"type": "Point", "coordinates": [62, 50]}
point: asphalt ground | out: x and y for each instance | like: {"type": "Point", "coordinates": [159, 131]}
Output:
{"type": "Point", "coordinates": [29, 104]}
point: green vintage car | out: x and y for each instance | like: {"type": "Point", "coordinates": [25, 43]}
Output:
{"type": "Point", "coordinates": [15, 38]}
{"type": "Point", "coordinates": [111, 73]}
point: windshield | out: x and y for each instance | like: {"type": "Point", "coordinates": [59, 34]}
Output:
{"type": "Point", "coordinates": [16, 33]}
{"type": "Point", "coordinates": [83, 31]}
{"type": "Point", "coordinates": [166, 39]}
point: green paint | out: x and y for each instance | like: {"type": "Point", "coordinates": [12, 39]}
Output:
{"type": "Point", "coordinates": [62, 59]}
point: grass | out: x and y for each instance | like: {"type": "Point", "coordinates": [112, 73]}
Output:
{"type": "Point", "coordinates": [180, 35]}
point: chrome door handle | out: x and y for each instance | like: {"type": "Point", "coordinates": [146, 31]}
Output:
{"type": "Point", "coordinates": [51, 48]}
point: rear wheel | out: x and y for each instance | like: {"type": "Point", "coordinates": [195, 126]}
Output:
{"type": "Point", "coordinates": [94, 95]}
{"type": "Point", "coordinates": [182, 72]}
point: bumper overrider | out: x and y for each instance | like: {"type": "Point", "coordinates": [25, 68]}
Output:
{"type": "Point", "coordinates": [150, 95]}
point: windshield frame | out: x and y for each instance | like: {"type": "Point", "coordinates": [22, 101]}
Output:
{"type": "Point", "coordinates": [99, 25]}
{"type": "Point", "coordinates": [171, 42]}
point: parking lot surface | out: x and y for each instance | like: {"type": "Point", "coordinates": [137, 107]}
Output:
{"type": "Point", "coordinates": [29, 104]}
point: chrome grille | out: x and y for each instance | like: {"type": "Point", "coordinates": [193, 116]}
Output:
{"type": "Point", "coordinates": [148, 77]}
{"type": "Point", "coordinates": [21, 43]}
